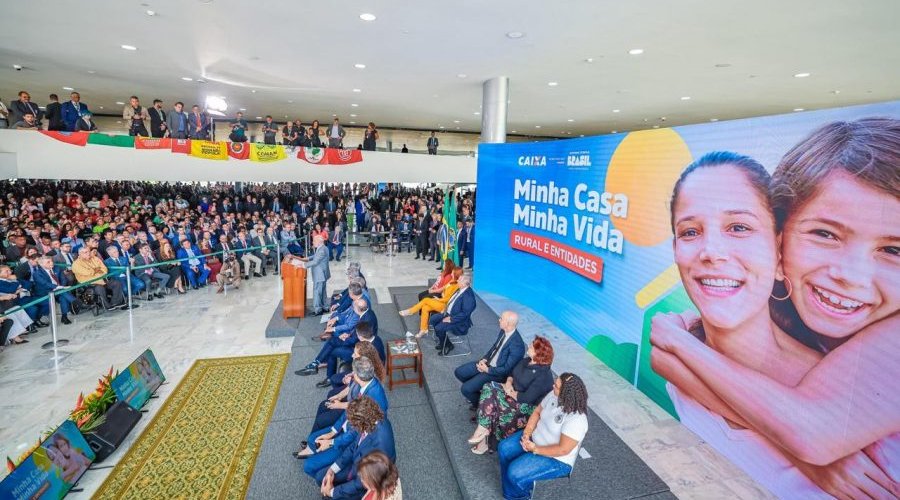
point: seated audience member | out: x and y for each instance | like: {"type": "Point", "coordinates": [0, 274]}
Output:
{"type": "Point", "coordinates": [172, 269]}
{"type": "Point", "coordinates": [339, 381]}
{"type": "Point", "coordinates": [266, 254]}
{"type": "Point", "coordinates": [364, 334]}
{"type": "Point", "coordinates": [115, 260]}
{"type": "Point", "coordinates": [85, 123]}
{"type": "Point", "coordinates": [497, 364]}
{"type": "Point", "coordinates": [11, 295]}
{"type": "Point", "coordinates": [372, 432]}
{"type": "Point", "coordinates": [430, 305]}
{"type": "Point", "coordinates": [343, 334]}
{"type": "Point", "coordinates": [443, 280]}
{"type": "Point", "coordinates": [6, 326]}
{"type": "Point", "coordinates": [46, 281]}
{"type": "Point", "coordinates": [548, 446]}
{"type": "Point", "coordinates": [152, 277]}
{"type": "Point", "coordinates": [230, 270]}
{"type": "Point", "coordinates": [505, 408]}
{"type": "Point", "coordinates": [379, 477]}
{"type": "Point", "coordinates": [355, 290]}
{"type": "Point", "coordinates": [457, 316]}
{"type": "Point", "coordinates": [23, 269]}
{"type": "Point", "coordinates": [89, 266]}
{"type": "Point", "coordinates": [213, 262]}
{"type": "Point", "coordinates": [194, 266]}
{"type": "Point", "coordinates": [323, 435]}
{"type": "Point", "coordinates": [242, 245]}
{"type": "Point", "coordinates": [353, 271]}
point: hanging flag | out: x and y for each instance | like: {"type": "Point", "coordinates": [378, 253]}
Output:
{"type": "Point", "coordinates": [76, 138]}
{"type": "Point", "coordinates": [182, 146]}
{"type": "Point", "coordinates": [330, 156]}
{"type": "Point", "coordinates": [266, 152]}
{"type": "Point", "coordinates": [238, 150]}
{"type": "Point", "coordinates": [209, 150]}
{"type": "Point", "coordinates": [152, 143]}
{"type": "Point", "coordinates": [447, 233]}
{"type": "Point", "coordinates": [121, 141]}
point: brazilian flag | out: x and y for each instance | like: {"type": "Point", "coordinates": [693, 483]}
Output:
{"type": "Point", "coordinates": [447, 232]}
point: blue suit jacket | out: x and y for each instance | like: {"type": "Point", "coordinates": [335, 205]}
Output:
{"type": "Point", "coordinates": [461, 315]}
{"type": "Point", "coordinates": [70, 116]}
{"type": "Point", "coordinates": [42, 283]}
{"type": "Point", "coordinates": [182, 254]}
{"type": "Point", "coordinates": [379, 346]}
{"type": "Point", "coordinates": [380, 439]}
{"type": "Point", "coordinates": [375, 391]}
{"type": "Point", "coordinates": [510, 354]}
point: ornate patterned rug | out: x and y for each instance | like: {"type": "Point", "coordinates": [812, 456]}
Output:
{"type": "Point", "coordinates": [204, 440]}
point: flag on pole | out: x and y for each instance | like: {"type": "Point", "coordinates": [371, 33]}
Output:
{"type": "Point", "coordinates": [267, 152]}
{"type": "Point", "coordinates": [447, 231]}
{"type": "Point", "coordinates": [209, 150]}
{"type": "Point", "coordinates": [238, 150]}
{"type": "Point", "coordinates": [76, 138]}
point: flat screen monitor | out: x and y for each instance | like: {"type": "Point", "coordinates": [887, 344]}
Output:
{"type": "Point", "coordinates": [139, 381]}
{"type": "Point", "coordinates": [52, 469]}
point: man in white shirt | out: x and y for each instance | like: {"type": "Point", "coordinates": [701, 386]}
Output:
{"type": "Point", "coordinates": [336, 134]}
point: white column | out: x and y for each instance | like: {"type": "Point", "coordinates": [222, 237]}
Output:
{"type": "Point", "coordinates": [494, 104]}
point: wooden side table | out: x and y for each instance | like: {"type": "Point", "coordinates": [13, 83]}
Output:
{"type": "Point", "coordinates": [403, 349]}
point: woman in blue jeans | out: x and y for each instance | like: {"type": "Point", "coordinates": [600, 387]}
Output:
{"type": "Point", "coordinates": [548, 446]}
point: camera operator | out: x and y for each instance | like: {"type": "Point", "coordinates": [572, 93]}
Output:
{"type": "Point", "coordinates": [231, 271]}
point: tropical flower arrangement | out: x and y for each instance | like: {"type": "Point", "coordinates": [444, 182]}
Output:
{"type": "Point", "coordinates": [88, 414]}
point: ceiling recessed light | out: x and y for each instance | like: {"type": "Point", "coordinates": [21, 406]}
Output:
{"type": "Point", "coordinates": [552, 84]}
{"type": "Point", "coordinates": [352, 115]}
{"type": "Point", "coordinates": [801, 75]}
{"type": "Point", "coordinates": [461, 75]}
{"type": "Point", "coordinates": [713, 119]}
{"type": "Point", "coordinates": [537, 126]}
{"type": "Point", "coordinates": [352, 123]}
{"type": "Point", "coordinates": [636, 52]}
{"type": "Point", "coordinates": [656, 126]}
{"type": "Point", "coordinates": [589, 60]}
{"type": "Point", "coordinates": [457, 128]}
{"type": "Point", "coordinates": [455, 121]}
{"type": "Point", "coordinates": [259, 118]}
{"type": "Point", "coordinates": [285, 116]}
{"type": "Point", "coordinates": [355, 105]}
{"type": "Point", "coordinates": [615, 111]}
{"type": "Point", "coordinates": [359, 66]}
{"type": "Point", "coordinates": [120, 103]}
{"type": "Point", "coordinates": [253, 91]}
{"type": "Point", "coordinates": [515, 34]}
{"type": "Point", "coordinates": [723, 65]}
{"type": "Point", "coordinates": [441, 126]}
{"type": "Point", "coordinates": [290, 101]}
{"type": "Point", "coordinates": [101, 107]}
{"type": "Point", "coordinates": [477, 113]}
{"type": "Point", "coordinates": [187, 78]}
{"type": "Point", "coordinates": [514, 131]}
{"type": "Point", "coordinates": [835, 92]}
{"type": "Point", "coordinates": [615, 131]}
{"type": "Point", "coordinates": [242, 109]}
{"type": "Point", "coordinates": [570, 120]}
{"type": "Point", "coordinates": [129, 47]}
{"type": "Point", "coordinates": [90, 71]}
{"type": "Point", "coordinates": [357, 90]}
{"type": "Point", "coordinates": [686, 98]}
{"type": "Point", "coordinates": [367, 17]}
{"type": "Point", "coordinates": [798, 109]}
{"type": "Point", "coordinates": [201, 80]}
{"type": "Point", "coordinates": [333, 115]}
{"type": "Point", "coordinates": [151, 12]}
{"type": "Point", "coordinates": [68, 88]}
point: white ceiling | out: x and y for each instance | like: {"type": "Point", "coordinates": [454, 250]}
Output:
{"type": "Point", "coordinates": [305, 51]}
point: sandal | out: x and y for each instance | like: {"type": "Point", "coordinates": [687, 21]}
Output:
{"type": "Point", "coordinates": [480, 448]}
{"type": "Point", "coordinates": [479, 435]}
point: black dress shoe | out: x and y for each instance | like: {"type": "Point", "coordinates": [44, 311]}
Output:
{"type": "Point", "coordinates": [323, 384]}
{"type": "Point", "coordinates": [40, 324]}
{"type": "Point", "coordinates": [307, 371]}
{"type": "Point", "coordinates": [257, 275]}
{"type": "Point", "coordinates": [159, 295]}
{"type": "Point", "coordinates": [446, 350]}
{"type": "Point", "coordinates": [149, 298]}
{"type": "Point", "coordinates": [65, 320]}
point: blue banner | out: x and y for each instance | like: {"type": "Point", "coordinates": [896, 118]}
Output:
{"type": "Point", "coordinates": [52, 469]}
{"type": "Point", "coordinates": [139, 381]}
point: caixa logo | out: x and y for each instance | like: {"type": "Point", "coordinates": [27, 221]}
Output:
{"type": "Point", "coordinates": [532, 161]}
{"type": "Point", "coordinates": [578, 160]}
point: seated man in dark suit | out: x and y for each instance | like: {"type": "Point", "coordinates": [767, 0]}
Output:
{"type": "Point", "coordinates": [46, 281]}
{"type": "Point", "coordinates": [363, 333]}
{"type": "Point", "coordinates": [373, 432]}
{"type": "Point", "coordinates": [497, 364]}
{"type": "Point", "coordinates": [330, 429]}
{"type": "Point", "coordinates": [194, 266]}
{"type": "Point", "coordinates": [343, 334]}
{"type": "Point", "coordinates": [457, 317]}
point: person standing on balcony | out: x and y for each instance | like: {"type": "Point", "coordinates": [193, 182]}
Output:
{"type": "Point", "coordinates": [432, 144]}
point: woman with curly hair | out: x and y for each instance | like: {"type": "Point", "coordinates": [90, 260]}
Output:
{"type": "Point", "coordinates": [547, 447]}
{"type": "Point", "coordinates": [371, 431]}
{"type": "Point", "coordinates": [505, 408]}
{"type": "Point", "coordinates": [379, 475]}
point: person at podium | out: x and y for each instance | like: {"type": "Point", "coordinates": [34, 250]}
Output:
{"type": "Point", "coordinates": [318, 266]}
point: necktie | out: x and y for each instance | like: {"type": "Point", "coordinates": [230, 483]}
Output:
{"type": "Point", "coordinates": [495, 348]}
{"type": "Point", "coordinates": [452, 301]}
{"type": "Point", "coordinates": [69, 259]}
{"type": "Point", "coordinates": [52, 278]}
